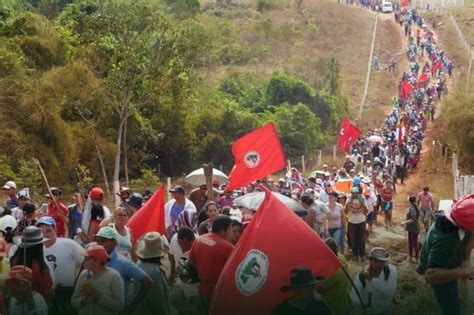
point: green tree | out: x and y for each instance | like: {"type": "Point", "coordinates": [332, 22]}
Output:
{"type": "Point", "coordinates": [298, 129]}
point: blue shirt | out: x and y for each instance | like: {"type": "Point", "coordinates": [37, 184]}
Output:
{"type": "Point", "coordinates": [12, 203]}
{"type": "Point", "coordinates": [74, 220]}
{"type": "Point", "coordinates": [127, 270]}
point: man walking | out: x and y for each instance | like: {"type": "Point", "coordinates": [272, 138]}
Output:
{"type": "Point", "coordinates": [376, 283]}
{"type": "Point", "coordinates": [426, 205]}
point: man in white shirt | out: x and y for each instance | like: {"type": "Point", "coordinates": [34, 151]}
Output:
{"type": "Point", "coordinates": [17, 212]}
{"type": "Point", "coordinates": [64, 256]}
{"type": "Point", "coordinates": [179, 211]}
{"type": "Point", "coordinates": [376, 284]}
{"type": "Point", "coordinates": [184, 295]}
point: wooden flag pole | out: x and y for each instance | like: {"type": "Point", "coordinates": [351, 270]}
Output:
{"type": "Point", "coordinates": [61, 214]}
{"type": "Point", "coordinates": [208, 169]}
{"type": "Point", "coordinates": [355, 289]}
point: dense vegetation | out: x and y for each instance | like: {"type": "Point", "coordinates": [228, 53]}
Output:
{"type": "Point", "coordinates": [120, 83]}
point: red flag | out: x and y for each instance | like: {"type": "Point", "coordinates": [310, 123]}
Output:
{"type": "Point", "coordinates": [257, 154]}
{"type": "Point", "coordinates": [422, 80]}
{"type": "Point", "coordinates": [404, 3]}
{"type": "Point", "coordinates": [436, 67]}
{"type": "Point", "coordinates": [407, 88]}
{"type": "Point", "coordinates": [150, 217]}
{"type": "Point", "coordinates": [275, 242]}
{"type": "Point", "coordinates": [347, 135]}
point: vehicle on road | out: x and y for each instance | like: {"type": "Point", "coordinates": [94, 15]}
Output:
{"type": "Point", "coordinates": [387, 7]}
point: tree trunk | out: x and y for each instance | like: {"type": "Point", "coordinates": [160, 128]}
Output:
{"type": "Point", "coordinates": [117, 161]}
{"type": "Point", "coordinates": [102, 166]}
{"type": "Point", "coordinates": [125, 152]}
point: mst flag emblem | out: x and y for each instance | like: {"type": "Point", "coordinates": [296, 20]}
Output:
{"type": "Point", "coordinates": [252, 159]}
{"type": "Point", "coordinates": [252, 272]}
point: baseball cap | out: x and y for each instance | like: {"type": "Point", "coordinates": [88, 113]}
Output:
{"type": "Point", "coordinates": [327, 184]}
{"type": "Point", "coordinates": [178, 189]}
{"type": "Point", "coordinates": [135, 200]}
{"type": "Point", "coordinates": [9, 185]}
{"type": "Point", "coordinates": [22, 194]}
{"type": "Point", "coordinates": [96, 193]}
{"type": "Point", "coordinates": [107, 232]}
{"type": "Point", "coordinates": [97, 252]}
{"type": "Point", "coordinates": [19, 272]}
{"type": "Point", "coordinates": [379, 253]}
{"type": "Point", "coordinates": [7, 221]}
{"type": "Point", "coordinates": [47, 221]}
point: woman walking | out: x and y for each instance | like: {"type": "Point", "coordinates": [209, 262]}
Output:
{"type": "Point", "coordinates": [412, 226]}
{"type": "Point", "coordinates": [336, 221]}
{"type": "Point", "coordinates": [356, 210]}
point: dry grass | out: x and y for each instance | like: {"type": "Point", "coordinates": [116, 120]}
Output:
{"type": "Point", "coordinates": [298, 38]}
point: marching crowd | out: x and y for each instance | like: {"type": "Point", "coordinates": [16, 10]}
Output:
{"type": "Point", "coordinates": [84, 259]}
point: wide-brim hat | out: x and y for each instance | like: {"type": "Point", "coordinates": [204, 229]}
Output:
{"type": "Point", "coordinates": [379, 253]}
{"type": "Point", "coordinates": [32, 236]}
{"type": "Point", "coordinates": [152, 245]}
{"type": "Point", "coordinates": [302, 277]}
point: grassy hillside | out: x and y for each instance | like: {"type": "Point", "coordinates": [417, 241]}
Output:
{"type": "Point", "coordinates": [291, 39]}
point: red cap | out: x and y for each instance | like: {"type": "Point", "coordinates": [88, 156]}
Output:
{"type": "Point", "coordinates": [96, 193]}
{"type": "Point", "coordinates": [462, 212]}
{"type": "Point", "coordinates": [97, 252]}
{"type": "Point", "coordinates": [20, 272]}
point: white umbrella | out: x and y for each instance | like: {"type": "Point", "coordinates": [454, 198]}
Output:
{"type": "Point", "coordinates": [197, 177]}
{"type": "Point", "coordinates": [375, 139]}
{"type": "Point", "coordinates": [254, 200]}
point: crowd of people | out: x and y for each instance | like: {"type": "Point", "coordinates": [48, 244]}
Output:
{"type": "Point", "coordinates": [84, 259]}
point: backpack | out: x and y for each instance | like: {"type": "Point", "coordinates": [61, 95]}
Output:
{"type": "Point", "coordinates": [386, 275]}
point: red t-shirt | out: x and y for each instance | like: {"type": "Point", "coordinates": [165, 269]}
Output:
{"type": "Point", "coordinates": [53, 213]}
{"type": "Point", "coordinates": [209, 253]}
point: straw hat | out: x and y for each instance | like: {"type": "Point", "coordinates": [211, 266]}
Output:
{"type": "Point", "coordinates": [151, 245]}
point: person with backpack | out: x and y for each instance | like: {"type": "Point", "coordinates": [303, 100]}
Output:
{"type": "Point", "coordinates": [376, 284]}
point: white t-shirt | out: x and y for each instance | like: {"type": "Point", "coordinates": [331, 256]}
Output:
{"type": "Point", "coordinates": [175, 250]}
{"type": "Point", "coordinates": [17, 213]}
{"type": "Point", "coordinates": [63, 256]}
{"type": "Point", "coordinates": [19, 309]}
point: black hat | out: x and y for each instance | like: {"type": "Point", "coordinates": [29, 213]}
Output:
{"type": "Point", "coordinates": [135, 200]}
{"type": "Point", "coordinates": [178, 189]}
{"type": "Point", "coordinates": [29, 208]}
{"type": "Point", "coordinates": [147, 194]}
{"type": "Point", "coordinates": [55, 191]}
{"type": "Point", "coordinates": [301, 277]}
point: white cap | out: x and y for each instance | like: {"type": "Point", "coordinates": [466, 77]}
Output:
{"type": "Point", "coordinates": [23, 193]}
{"type": "Point", "coordinates": [9, 185]}
{"type": "Point", "coordinates": [7, 221]}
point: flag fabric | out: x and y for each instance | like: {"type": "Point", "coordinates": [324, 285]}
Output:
{"type": "Point", "coordinates": [275, 242]}
{"type": "Point", "coordinates": [407, 88]}
{"type": "Point", "coordinates": [436, 67]}
{"type": "Point", "coordinates": [422, 80]}
{"type": "Point", "coordinates": [348, 134]}
{"type": "Point", "coordinates": [150, 217]}
{"type": "Point", "coordinates": [257, 154]}
{"type": "Point", "coordinates": [404, 3]}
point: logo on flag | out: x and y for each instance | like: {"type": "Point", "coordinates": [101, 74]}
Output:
{"type": "Point", "coordinates": [342, 131]}
{"type": "Point", "coordinates": [252, 159]}
{"type": "Point", "coordinates": [252, 272]}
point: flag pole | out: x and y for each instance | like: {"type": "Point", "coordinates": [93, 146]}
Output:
{"type": "Point", "coordinates": [346, 273]}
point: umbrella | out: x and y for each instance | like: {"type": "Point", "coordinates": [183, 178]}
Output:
{"type": "Point", "coordinates": [197, 177]}
{"type": "Point", "coordinates": [375, 139]}
{"type": "Point", "coordinates": [317, 172]}
{"type": "Point", "coordinates": [253, 200]}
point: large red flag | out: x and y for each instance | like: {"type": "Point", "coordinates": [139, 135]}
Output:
{"type": "Point", "coordinates": [404, 3]}
{"type": "Point", "coordinates": [257, 154]}
{"type": "Point", "coordinates": [407, 88]}
{"type": "Point", "coordinates": [275, 242]}
{"type": "Point", "coordinates": [422, 80]}
{"type": "Point", "coordinates": [347, 135]}
{"type": "Point", "coordinates": [150, 217]}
